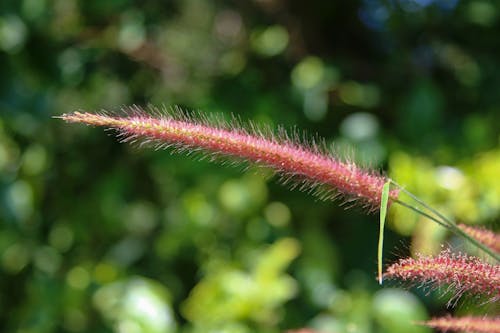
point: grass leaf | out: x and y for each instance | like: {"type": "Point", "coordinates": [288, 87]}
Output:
{"type": "Point", "coordinates": [383, 212]}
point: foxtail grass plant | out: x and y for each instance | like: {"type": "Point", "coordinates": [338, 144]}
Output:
{"type": "Point", "coordinates": [311, 167]}
{"type": "Point", "coordinates": [308, 166]}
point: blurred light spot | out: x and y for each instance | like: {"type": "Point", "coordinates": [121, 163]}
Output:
{"type": "Point", "coordinates": [315, 104]}
{"type": "Point", "coordinates": [128, 326]}
{"type": "Point", "coordinates": [323, 294]}
{"type": "Point", "coordinates": [105, 273]}
{"type": "Point", "coordinates": [33, 9]}
{"type": "Point", "coordinates": [233, 195]}
{"type": "Point", "coordinates": [132, 33]}
{"type": "Point", "coordinates": [373, 14]}
{"type": "Point", "coordinates": [136, 305]}
{"type": "Point", "coordinates": [238, 283]}
{"type": "Point", "coordinates": [107, 298]}
{"type": "Point", "coordinates": [140, 217]}
{"type": "Point", "coordinates": [397, 310]}
{"type": "Point", "coordinates": [360, 126]}
{"type": "Point", "coordinates": [257, 189]}
{"type": "Point", "coordinates": [232, 62]}
{"type": "Point", "coordinates": [61, 237]}
{"type": "Point", "coordinates": [257, 229]}
{"type": "Point", "coordinates": [144, 302]}
{"type": "Point", "coordinates": [20, 199]}
{"type": "Point", "coordinates": [15, 258]}
{"type": "Point", "coordinates": [228, 26]}
{"type": "Point", "coordinates": [449, 178]}
{"type": "Point", "coordinates": [127, 251]}
{"type": "Point", "coordinates": [278, 214]}
{"type": "Point", "coordinates": [47, 259]}
{"type": "Point", "coordinates": [482, 13]}
{"type": "Point", "coordinates": [351, 93]}
{"type": "Point", "coordinates": [370, 152]}
{"type": "Point", "coordinates": [341, 300]}
{"type": "Point", "coordinates": [78, 278]}
{"type": "Point", "coordinates": [328, 323]}
{"type": "Point", "coordinates": [308, 73]}
{"type": "Point", "coordinates": [199, 210]}
{"type": "Point", "coordinates": [35, 160]}
{"type": "Point", "coordinates": [270, 41]}
{"type": "Point", "coordinates": [13, 33]}
{"type": "Point", "coordinates": [244, 195]}
{"type": "Point", "coordinates": [354, 93]}
{"type": "Point", "coordinates": [71, 65]}
{"type": "Point", "coordinates": [74, 320]}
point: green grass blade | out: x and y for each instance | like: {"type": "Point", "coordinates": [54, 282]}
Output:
{"type": "Point", "coordinates": [383, 214]}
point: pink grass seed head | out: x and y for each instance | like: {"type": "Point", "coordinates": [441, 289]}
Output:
{"type": "Point", "coordinates": [465, 324]}
{"type": "Point", "coordinates": [309, 168]}
{"type": "Point", "coordinates": [460, 272]}
{"type": "Point", "coordinates": [484, 236]}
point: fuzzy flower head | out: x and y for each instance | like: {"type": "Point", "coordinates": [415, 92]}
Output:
{"type": "Point", "coordinates": [485, 236]}
{"type": "Point", "coordinates": [461, 273]}
{"type": "Point", "coordinates": [308, 167]}
{"type": "Point", "coordinates": [465, 324]}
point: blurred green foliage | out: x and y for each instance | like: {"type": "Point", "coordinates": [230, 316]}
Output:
{"type": "Point", "coordinates": [469, 193]}
{"type": "Point", "coordinates": [97, 236]}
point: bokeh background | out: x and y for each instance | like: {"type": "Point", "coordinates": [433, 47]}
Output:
{"type": "Point", "coordinates": [98, 236]}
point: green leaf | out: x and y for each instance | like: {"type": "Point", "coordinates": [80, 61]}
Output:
{"type": "Point", "coordinates": [383, 212]}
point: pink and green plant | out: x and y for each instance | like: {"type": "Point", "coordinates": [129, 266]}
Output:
{"type": "Point", "coordinates": [311, 167]}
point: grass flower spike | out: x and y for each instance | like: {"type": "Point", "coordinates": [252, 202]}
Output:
{"type": "Point", "coordinates": [462, 273]}
{"type": "Point", "coordinates": [465, 324]}
{"type": "Point", "coordinates": [485, 236]}
{"type": "Point", "coordinates": [312, 167]}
